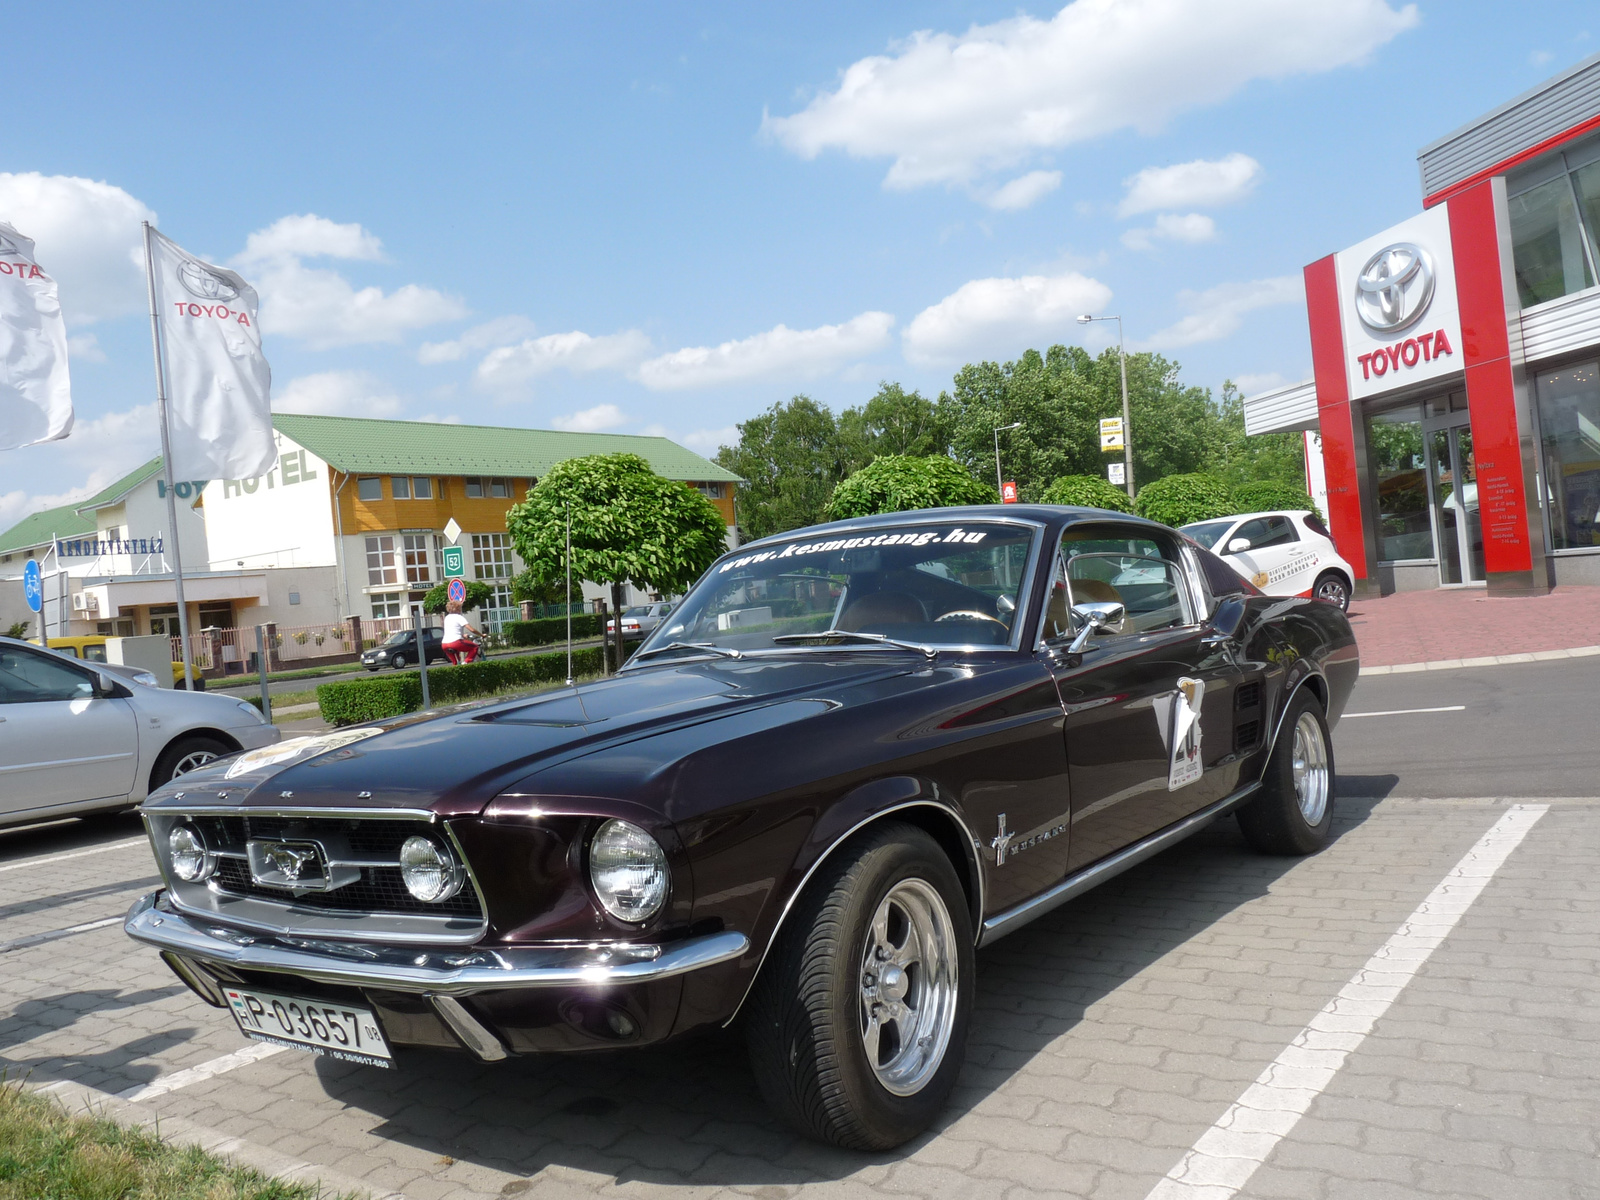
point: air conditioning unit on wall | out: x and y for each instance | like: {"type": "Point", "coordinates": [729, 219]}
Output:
{"type": "Point", "coordinates": [85, 602]}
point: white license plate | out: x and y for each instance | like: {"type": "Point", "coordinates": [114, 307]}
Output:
{"type": "Point", "coordinates": [345, 1031]}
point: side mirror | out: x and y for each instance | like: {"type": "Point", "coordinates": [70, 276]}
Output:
{"type": "Point", "coordinates": [1238, 545]}
{"type": "Point", "coordinates": [109, 687]}
{"type": "Point", "coordinates": [1226, 621]}
{"type": "Point", "coordinates": [1097, 617]}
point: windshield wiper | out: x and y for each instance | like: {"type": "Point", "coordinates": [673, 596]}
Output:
{"type": "Point", "coordinates": [708, 647]}
{"type": "Point", "coordinates": [838, 635]}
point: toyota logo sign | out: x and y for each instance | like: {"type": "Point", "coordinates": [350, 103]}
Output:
{"type": "Point", "coordinates": [1394, 287]}
{"type": "Point", "coordinates": [207, 285]}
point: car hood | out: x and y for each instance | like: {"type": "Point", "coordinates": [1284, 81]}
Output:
{"type": "Point", "coordinates": [452, 762]}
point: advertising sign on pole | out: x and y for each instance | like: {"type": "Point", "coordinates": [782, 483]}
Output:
{"type": "Point", "coordinates": [456, 592]}
{"type": "Point", "coordinates": [1008, 492]}
{"type": "Point", "coordinates": [1111, 434]}
{"type": "Point", "coordinates": [455, 562]}
{"type": "Point", "coordinates": [33, 585]}
{"type": "Point", "coordinates": [1117, 473]}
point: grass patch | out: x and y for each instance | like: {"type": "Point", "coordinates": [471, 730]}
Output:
{"type": "Point", "coordinates": [47, 1153]}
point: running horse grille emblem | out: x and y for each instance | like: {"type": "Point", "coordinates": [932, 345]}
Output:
{"type": "Point", "coordinates": [289, 860]}
{"type": "Point", "coordinates": [298, 866]}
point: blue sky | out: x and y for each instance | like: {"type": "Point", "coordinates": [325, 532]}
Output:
{"type": "Point", "coordinates": [666, 218]}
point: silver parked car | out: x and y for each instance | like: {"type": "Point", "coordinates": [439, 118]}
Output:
{"type": "Point", "coordinates": [76, 737]}
{"type": "Point", "coordinates": [642, 619]}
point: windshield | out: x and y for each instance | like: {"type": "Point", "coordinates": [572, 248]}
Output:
{"type": "Point", "coordinates": [1208, 533]}
{"type": "Point", "coordinates": [936, 583]}
{"type": "Point", "coordinates": [399, 638]}
{"type": "Point", "coordinates": [636, 612]}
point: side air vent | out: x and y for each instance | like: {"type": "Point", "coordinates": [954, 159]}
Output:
{"type": "Point", "coordinates": [1247, 695]}
{"type": "Point", "coordinates": [1247, 716]}
{"type": "Point", "coordinates": [1246, 734]}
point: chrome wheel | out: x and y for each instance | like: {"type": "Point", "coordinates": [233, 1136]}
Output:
{"type": "Point", "coordinates": [191, 761]}
{"type": "Point", "coordinates": [908, 987]}
{"type": "Point", "coordinates": [1332, 589]}
{"type": "Point", "coordinates": [1310, 764]}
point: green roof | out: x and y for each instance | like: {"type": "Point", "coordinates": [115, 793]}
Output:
{"type": "Point", "coordinates": [39, 528]}
{"type": "Point", "coordinates": [119, 490]}
{"type": "Point", "coordinates": [359, 444]}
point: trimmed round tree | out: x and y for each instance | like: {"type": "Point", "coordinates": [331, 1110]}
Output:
{"type": "Point", "coordinates": [1179, 499]}
{"type": "Point", "coordinates": [1087, 491]}
{"type": "Point", "coordinates": [1265, 495]}
{"type": "Point", "coordinates": [629, 525]}
{"type": "Point", "coordinates": [899, 483]}
{"type": "Point", "coordinates": [478, 594]}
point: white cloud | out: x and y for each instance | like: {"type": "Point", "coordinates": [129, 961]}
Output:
{"type": "Point", "coordinates": [1198, 184]}
{"type": "Point", "coordinates": [84, 347]}
{"type": "Point", "coordinates": [1219, 311]}
{"type": "Point", "coordinates": [591, 420]}
{"type": "Point", "coordinates": [949, 108]}
{"type": "Point", "coordinates": [1001, 317]}
{"type": "Point", "coordinates": [1023, 191]}
{"type": "Point", "coordinates": [1169, 227]}
{"type": "Point", "coordinates": [510, 367]}
{"type": "Point", "coordinates": [87, 235]}
{"type": "Point", "coordinates": [501, 331]}
{"type": "Point", "coordinates": [337, 394]}
{"type": "Point", "coordinates": [704, 442]}
{"type": "Point", "coordinates": [1254, 384]}
{"type": "Point", "coordinates": [441, 419]}
{"type": "Point", "coordinates": [780, 351]}
{"type": "Point", "coordinates": [321, 306]}
{"type": "Point", "coordinates": [100, 451]}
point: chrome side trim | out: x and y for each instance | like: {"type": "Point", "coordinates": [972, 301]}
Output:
{"type": "Point", "coordinates": [437, 972]}
{"type": "Point", "coordinates": [976, 859]}
{"type": "Point", "coordinates": [469, 1029]}
{"type": "Point", "coordinates": [1016, 917]}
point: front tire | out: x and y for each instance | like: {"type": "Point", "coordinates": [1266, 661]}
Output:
{"type": "Point", "coordinates": [185, 755]}
{"type": "Point", "coordinates": [858, 1023]}
{"type": "Point", "coordinates": [1334, 588]}
{"type": "Point", "coordinates": [1293, 812]}
{"type": "Point", "coordinates": [398, 662]}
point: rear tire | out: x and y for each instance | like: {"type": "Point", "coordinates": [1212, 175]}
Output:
{"type": "Point", "coordinates": [858, 1022]}
{"type": "Point", "coordinates": [1293, 811]}
{"type": "Point", "coordinates": [1334, 588]}
{"type": "Point", "coordinates": [184, 755]}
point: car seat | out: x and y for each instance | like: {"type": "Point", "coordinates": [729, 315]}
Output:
{"type": "Point", "coordinates": [882, 608]}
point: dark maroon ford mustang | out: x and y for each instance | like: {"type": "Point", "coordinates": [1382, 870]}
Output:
{"type": "Point", "coordinates": [853, 754]}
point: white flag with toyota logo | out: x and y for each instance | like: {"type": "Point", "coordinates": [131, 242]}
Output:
{"type": "Point", "coordinates": [219, 387]}
{"type": "Point", "coordinates": [35, 394]}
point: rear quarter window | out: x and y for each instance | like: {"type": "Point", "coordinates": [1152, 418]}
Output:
{"type": "Point", "coordinates": [1317, 525]}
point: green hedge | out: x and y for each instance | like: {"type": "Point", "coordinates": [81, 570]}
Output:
{"type": "Point", "coordinates": [551, 629]}
{"type": "Point", "coordinates": [1087, 491]}
{"type": "Point", "coordinates": [1265, 495]}
{"type": "Point", "coordinates": [389, 695]}
{"type": "Point", "coordinates": [1179, 499]}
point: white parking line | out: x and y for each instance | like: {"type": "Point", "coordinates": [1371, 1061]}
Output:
{"type": "Point", "coordinates": [254, 1052]}
{"type": "Point", "coordinates": [1406, 712]}
{"type": "Point", "coordinates": [1228, 1153]}
{"type": "Point", "coordinates": [38, 939]}
{"type": "Point", "coordinates": [45, 860]}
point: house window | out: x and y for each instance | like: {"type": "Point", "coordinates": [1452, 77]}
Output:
{"type": "Point", "coordinates": [474, 487]}
{"type": "Point", "coordinates": [421, 487]}
{"type": "Point", "coordinates": [500, 489]}
{"type": "Point", "coordinates": [491, 556]}
{"type": "Point", "coordinates": [420, 549]}
{"type": "Point", "coordinates": [369, 487]}
{"type": "Point", "coordinates": [386, 604]}
{"type": "Point", "coordinates": [711, 491]}
{"type": "Point", "coordinates": [400, 487]}
{"type": "Point", "coordinates": [380, 561]}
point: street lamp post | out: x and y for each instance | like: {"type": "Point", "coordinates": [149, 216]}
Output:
{"type": "Point", "coordinates": [1127, 419]}
{"type": "Point", "coordinates": [999, 480]}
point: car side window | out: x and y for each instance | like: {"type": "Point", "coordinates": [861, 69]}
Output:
{"type": "Point", "coordinates": [27, 678]}
{"type": "Point", "coordinates": [94, 654]}
{"type": "Point", "coordinates": [1317, 525]}
{"type": "Point", "coordinates": [1133, 567]}
{"type": "Point", "coordinates": [1267, 531]}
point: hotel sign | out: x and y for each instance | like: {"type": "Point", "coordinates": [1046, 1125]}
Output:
{"type": "Point", "coordinates": [100, 547]}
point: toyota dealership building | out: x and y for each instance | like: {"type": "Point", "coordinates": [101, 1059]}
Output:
{"type": "Point", "coordinates": [1456, 360]}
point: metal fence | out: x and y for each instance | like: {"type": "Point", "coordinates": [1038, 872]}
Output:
{"type": "Point", "coordinates": [301, 643]}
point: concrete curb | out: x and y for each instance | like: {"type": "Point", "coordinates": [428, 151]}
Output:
{"type": "Point", "coordinates": [1492, 660]}
{"type": "Point", "coordinates": [177, 1131]}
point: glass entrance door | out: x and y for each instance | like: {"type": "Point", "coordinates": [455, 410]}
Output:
{"type": "Point", "coordinates": [1453, 482]}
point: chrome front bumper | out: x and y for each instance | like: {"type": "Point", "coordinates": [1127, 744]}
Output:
{"type": "Point", "coordinates": [440, 972]}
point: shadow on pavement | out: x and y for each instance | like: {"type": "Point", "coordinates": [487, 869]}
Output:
{"type": "Point", "coordinates": [68, 833]}
{"type": "Point", "coordinates": [690, 1113]}
{"type": "Point", "coordinates": [114, 1068]}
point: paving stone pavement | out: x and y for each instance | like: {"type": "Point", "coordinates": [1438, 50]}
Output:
{"type": "Point", "coordinates": [1108, 1036]}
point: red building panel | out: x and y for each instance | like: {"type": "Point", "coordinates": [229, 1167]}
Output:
{"type": "Point", "coordinates": [1334, 414]}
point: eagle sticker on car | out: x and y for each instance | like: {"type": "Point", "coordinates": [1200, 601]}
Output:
{"type": "Point", "coordinates": [1178, 718]}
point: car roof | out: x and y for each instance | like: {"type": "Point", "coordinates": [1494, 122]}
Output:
{"type": "Point", "coordinates": [1268, 512]}
{"type": "Point", "coordinates": [1058, 515]}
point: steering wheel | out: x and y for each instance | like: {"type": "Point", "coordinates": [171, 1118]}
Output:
{"type": "Point", "coordinates": [970, 614]}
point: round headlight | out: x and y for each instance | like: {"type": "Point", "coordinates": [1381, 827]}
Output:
{"type": "Point", "coordinates": [629, 871]}
{"type": "Point", "coordinates": [190, 861]}
{"type": "Point", "coordinates": [430, 873]}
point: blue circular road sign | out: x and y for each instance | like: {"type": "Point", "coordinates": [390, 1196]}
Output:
{"type": "Point", "coordinates": [456, 592]}
{"type": "Point", "coordinates": [33, 586]}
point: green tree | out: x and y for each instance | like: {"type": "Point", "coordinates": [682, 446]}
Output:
{"type": "Point", "coordinates": [19, 630]}
{"type": "Point", "coordinates": [529, 588]}
{"type": "Point", "coordinates": [1087, 491]}
{"type": "Point", "coordinates": [1179, 499]}
{"type": "Point", "coordinates": [899, 483]}
{"type": "Point", "coordinates": [1242, 458]}
{"type": "Point", "coordinates": [894, 421]}
{"type": "Point", "coordinates": [790, 458]}
{"type": "Point", "coordinates": [1264, 495]}
{"type": "Point", "coordinates": [478, 594]}
{"type": "Point", "coordinates": [628, 525]}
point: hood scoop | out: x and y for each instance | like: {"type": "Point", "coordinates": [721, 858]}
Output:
{"type": "Point", "coordinates": [562, 711]}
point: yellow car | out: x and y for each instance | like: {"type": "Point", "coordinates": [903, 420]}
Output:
{"type": "Point", "coordinates": [93, 649]}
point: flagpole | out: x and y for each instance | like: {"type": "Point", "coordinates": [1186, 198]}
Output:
{"type": "Point", "coordinates": [166, 455]}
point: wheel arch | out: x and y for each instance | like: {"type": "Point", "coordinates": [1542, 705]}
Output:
{"type": "Point", "coordinates": [206, 731]}
{"type": "Point", "coordinates": [1317, 684]}
{"type": "Point", "coordinates": [919, 805]}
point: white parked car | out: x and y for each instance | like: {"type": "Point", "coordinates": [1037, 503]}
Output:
{"type": "Point", "coordinates": [76, 737]}
{"type": "Point", "coordinates": [640, 619]}
{"type": "Point", "coordinates": [1285, 553]}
